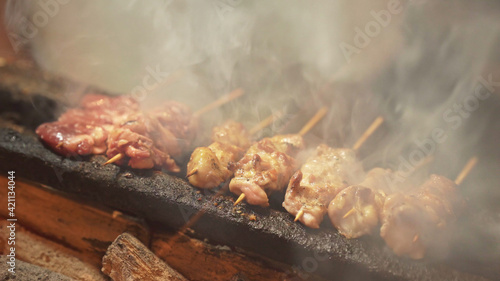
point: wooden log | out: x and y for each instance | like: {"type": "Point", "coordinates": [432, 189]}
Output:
{"type": "Point", "coordinates": [128, 259]}
{"type": "Point", "coordinates": [80, 226]}
{"type": "Point", "coordinates": [213, 263]}
{"type": "Point", "coordinates": [39, 251]}
{"type": "Point", "coordinates": [239, 277]}
{"type": "Point", "coordinates": [28, 271]}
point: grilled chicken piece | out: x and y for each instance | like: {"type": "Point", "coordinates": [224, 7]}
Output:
{"type": "Point", "coordinates": [131, 140]}
{"type": "Point", "coordinates": [416, 222]}
{"type": "Point", "coordinates": [150, 139]}
{"type": "Point", "coordinates": [323, 175]}
{"type": "Point", "coordinates": [355, 210]}
{"type": "Point", "coordinates": [210, 166]}
{"type": "Point", "coordinates": [173, 120]}
{"type": "Point", "coordinates": [231, 132]}
{"type": "Point", "coordinates": [84, 130]}
{"type": "Point", "coordinates": [266, 168]}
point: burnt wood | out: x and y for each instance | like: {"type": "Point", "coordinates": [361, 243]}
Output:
{"type": "Point", "coordinates": [169, 201]}
{"type": "Point", "coordinates": [128, 259]}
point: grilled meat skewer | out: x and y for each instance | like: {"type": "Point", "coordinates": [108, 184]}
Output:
{"type": "Point", "coordinates": [318, 181]}
{"type": "Point", "coordinates": [355, 211]}
{"type": "Point", "coordinates": [268, 165]}
{"type": "Point", "coordinates": [266, 168]}
{"type": "Point", "coordinates": [322, 177]}
{"type": "Point", "coordinates": [210, 166]}
{"type": "Point", "coordinates": [412, 222]}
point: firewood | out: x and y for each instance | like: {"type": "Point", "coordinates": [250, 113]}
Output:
{"type": "Point", "coordinates": [213, 263]}
{"type": "Point", "coordinates": [28, 271]}
{"type": "Point", "coordinates": [39, 251]}
{"type": "Point", "coordinates": [239, 277]}
{"type": "Point", "coordinates": [80, 226]}
{"type": "Point", "coordinates": [128, 259]}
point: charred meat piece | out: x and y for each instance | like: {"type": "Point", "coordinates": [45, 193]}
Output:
{"type": "Point", "coordinates": [414, 223]}
{"type": "Point", "coordinates": [115, 125]}
{"type": "Point", "coordinates": [84, 130]}
{"type": "Point", "coordinates": [325, 174]}
{"type": "Point", "coordinates": [231, 132]}
{"type": "Point", "coordinates": [355, 211]}
{"type": "Point", "coordinates": [178, 119]}
{"type": "Point", "coordinates": [266, 168]}
{"type": "Point", "coordinates": [149, 140]}
{"type": "Point", "coordinates": [210, 166]}
{"type": "Point", "coordinates": [131, 140]}
{"type": "Point", "coordinates": [73, 138]}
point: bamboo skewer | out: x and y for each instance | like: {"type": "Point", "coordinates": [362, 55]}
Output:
{"type": "Point", "coordinates": [223, 100]}
{"type": "Point", "coordinates": [466, 170]}
{"type": "Point", "coordinates": [266, 122]}
{"type": "Point", "coordinates": [114, 159]}
{"type": "Point", "coordinates": [299, 214]}
{"type": "Point", "coordinates": [307, 127]}
{"type": "Point", "coordinates": [373, 127]}
{"type": "Point", "coordinates": [219, 102]}
{"type": "Point", "coordinates": [193, 172]}
{"type": "Point", "coordinates": [353, 210]}
{"type": "Point", "coordinates": [364, 137]}
{"type": "Point", "coordinates": [460, 178]}
{"type": "Point", "coordinates": [313, 121]}
{"type": "Point", "coordinates": [415, 238]}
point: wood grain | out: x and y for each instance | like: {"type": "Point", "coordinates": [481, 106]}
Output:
{"type": "Point", "coordinates": [127, 259]}
{"type": "Point", "coordinates": [72, 223]}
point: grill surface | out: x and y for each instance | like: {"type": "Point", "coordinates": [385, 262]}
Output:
{"type": "Point", "coordinates": [169, 201]}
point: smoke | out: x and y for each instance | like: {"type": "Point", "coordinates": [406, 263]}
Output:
{"type": "Point", "coordinates": [417, 63]}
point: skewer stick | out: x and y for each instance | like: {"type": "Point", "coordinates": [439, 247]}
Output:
{"type": "Point", "coordinates": [266, 122]}
{"type": "Point", "coordinates": [373, 127]}
{"type": "Point", "coordinates": [351, 211]}
{"type": "Point", "coordinates": [415, 238]}
{"type": "Point", "coordinates": [427, 160]}
{"type": "Point", "coordinates": [299, 214]}
{"type": "Point", "coordinates": [194, 171]}
{"type": "Point", "coordinates": [114, 159]}
{"type": "Point", "coordinates": [242, 196]}
{"type": "Point", "coordinates": [466, 170]}
{"type": "Point", "coordinates": [223, 100]}
{"type": "Point", "coordinates": [312, 122]}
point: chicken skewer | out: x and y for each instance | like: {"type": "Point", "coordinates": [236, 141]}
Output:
{"type": "Point", "coordinates": [323, 176]}
{"type": "Point", "coordinates": [210, 166]}
{"type": "Point", "coordinates": [355, 211]}
{"type": "Point", "coordinates": [171, 129]}
{"type": "Point", "coordinates": [268, 164]}
{"type": "Point", "coordinates": [421, 220]}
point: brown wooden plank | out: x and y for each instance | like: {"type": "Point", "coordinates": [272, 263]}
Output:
{"type": "Point", "coordinates": [75, 224]}
{"type": "Point", "coordinates": [28, 271]}
{"type": "Point", "coordinates": [199, 261]}
{"type": "Point", "coordinates": [39, 251]}
{"type": "Point", "coordinates": [128, 259]}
